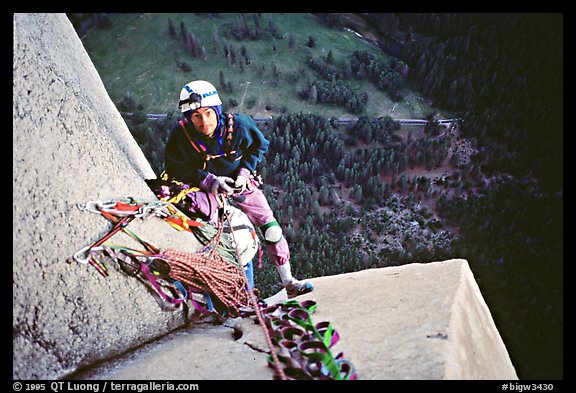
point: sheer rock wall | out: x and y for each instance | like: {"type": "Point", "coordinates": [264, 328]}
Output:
{"type": "Point", "coordinates": [70, 146]}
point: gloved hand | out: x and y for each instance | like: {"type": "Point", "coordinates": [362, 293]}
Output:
{"type": "Point", "coordinates": [240, 184]}
{"type": "Point", "coordinates": [220, 186]}
{"type": "Point", "coordinates": [241, 180]}
{"type": "Point", "coordinates": [217, 184]}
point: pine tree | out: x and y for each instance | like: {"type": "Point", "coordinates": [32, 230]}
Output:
{"type": "Point", "coordinates": [358, 193]}
{"type": "Point", "coordinates": [215, 37]}
{"type": "Point", "coordinates": [203, 54]}
{"type": "Point", "coordinates": [171, 28]}
{"type": "Point", "coordinates": [291, 41]}
{"type": "Point", "coordinates": [313, 95]}
{"type": "Point", "coordinates": [330, 57]}
{"type": "Point", "coordinates": [222, 80]}
{"type": "Point", "coordinates": [190, 45]}
{"type": "Point", "coordinates": [183, 33]}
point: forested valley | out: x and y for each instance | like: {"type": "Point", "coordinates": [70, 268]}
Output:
{"type": "Point", "coordinates": [372, 193]}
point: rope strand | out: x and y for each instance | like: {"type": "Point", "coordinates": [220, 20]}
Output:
{"type": "Point", "coordinates": [258, 312]}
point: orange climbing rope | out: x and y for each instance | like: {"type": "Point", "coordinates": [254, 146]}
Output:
{"type": "Point", "coordinates": [208, 271]}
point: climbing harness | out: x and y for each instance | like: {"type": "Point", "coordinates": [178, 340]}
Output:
{"type": "Point", "coordinates": [225, 147]}
{"type": "Point", "coordinates": [173, 191]}
{"type": "Point", "coordinates": [180, 195]}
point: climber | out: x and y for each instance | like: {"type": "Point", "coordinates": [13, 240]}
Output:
{"type": "Point", "coordinates": [218, 153]}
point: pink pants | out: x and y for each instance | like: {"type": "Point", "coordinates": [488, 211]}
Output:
{"type": "Point", "coordinates": [254, 204]}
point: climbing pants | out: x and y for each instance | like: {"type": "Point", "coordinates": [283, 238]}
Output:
{"type": "Point", "coordinates": [254, 204]}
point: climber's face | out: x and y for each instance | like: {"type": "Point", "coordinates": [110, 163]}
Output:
{"type": "Point", "coordinates": [204, 120]}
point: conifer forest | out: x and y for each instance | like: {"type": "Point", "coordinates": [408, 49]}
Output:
{"type": "Point", "coordinates": [355, 187]}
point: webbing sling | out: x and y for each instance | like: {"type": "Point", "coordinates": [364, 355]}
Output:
{"type": "Point", "coordinates": [304, 347]}
{"type": "Point", "coordinates": [129, 260]}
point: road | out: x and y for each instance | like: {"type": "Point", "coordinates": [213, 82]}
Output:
{"type": "Point", "coordinates": [341, 120]}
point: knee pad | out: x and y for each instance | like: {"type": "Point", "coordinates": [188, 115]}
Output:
{"type": "Point", "coordinates": [272, 232]}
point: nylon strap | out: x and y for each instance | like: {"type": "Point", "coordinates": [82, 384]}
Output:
{"type": "Point", "coordinates": [270, 224]}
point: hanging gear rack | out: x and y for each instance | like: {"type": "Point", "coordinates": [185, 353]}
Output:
{"type": "Point", "coordinates": [199, 272]}
{"type": "Point", "coordinates": [303, 347]}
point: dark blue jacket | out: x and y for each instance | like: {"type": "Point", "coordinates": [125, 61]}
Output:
{"type": "Point", "coordinates": [184, 163]}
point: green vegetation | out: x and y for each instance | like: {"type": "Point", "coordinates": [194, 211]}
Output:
{"type": "Point", "coordinates": [370, 193]}
{"type": "Point", "coordinates": [155, 83]}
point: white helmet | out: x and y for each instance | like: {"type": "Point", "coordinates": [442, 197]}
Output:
{"type": "Point", "coordinates": [198, 94]}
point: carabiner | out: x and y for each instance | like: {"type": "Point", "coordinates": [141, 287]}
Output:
{"type": "Point", "coordinates": [85, 251]}
{"type": "Point", "coordinates": [89, 206]}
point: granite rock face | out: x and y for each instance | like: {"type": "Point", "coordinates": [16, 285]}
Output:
{"type": "Point", "coordinates": [421, 321]}
{"type": "Point", "coordinates": [70, 146]}
{"type": "Point", "coordinates": [416, 321]}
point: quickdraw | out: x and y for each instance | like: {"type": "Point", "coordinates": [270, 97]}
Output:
{"type": "Point", "coordinates": [130, 207]}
